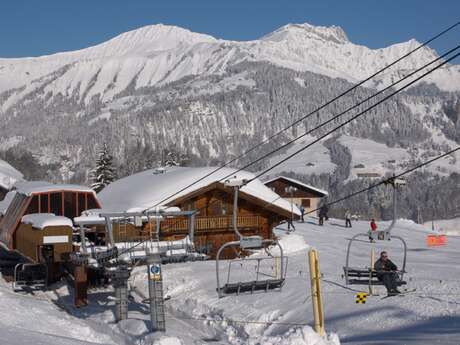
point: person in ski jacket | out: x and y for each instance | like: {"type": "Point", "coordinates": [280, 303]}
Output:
{"type": "Point", "coordinates": [387, 273]}
{"type": "Point", "coordinates": [322, 214]}
{"type": "Point", "coordinates": [302, 211]}
{"type": "Point", "coordinates": [373, 225]}
{"type": "Point", "coordinates": [348, 219]}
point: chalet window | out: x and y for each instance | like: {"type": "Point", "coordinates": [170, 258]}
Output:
{"type": "Point", "coordinates": [44, 203]}
{"type": "Point", "coordinates": [306, 203]}
{"type": "Point", "coordinates": [33, 206]}
{"type": "Point", "coordinates": [91, 202]}
{"type": "Point", "coordinates": [216, 207]}
{"type": "Point", "coordinates": [70, 207]}
{"type": "Point", "coordinates": [56, 203]}
{"type": "Point", "coordinates": [81, 202]}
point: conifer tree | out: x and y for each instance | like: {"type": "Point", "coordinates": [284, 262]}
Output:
{"type": "Point", "coordinates": [104, 173]}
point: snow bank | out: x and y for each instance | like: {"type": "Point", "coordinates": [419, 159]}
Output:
{"type": "Point", "coordinates": [5, 203]}
{"type": "Point", "coordinates": [301, 336]}
{"type": "Point", "coordinates": [9, 175]}
{"type": "Point", "coordinates": [446, 226]}
{"type": "Point", "coordinates": [43, 220]}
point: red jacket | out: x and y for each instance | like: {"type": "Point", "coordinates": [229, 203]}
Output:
{"type": "Point", "coordinates": [373, 226]}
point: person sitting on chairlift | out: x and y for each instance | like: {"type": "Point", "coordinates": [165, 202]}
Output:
{"type": "Point", "coordinates": [386, 273]}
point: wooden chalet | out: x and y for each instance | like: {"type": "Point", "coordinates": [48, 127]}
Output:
{"type": "Point", "coordinates": [259, 208]}
{"type": "Point", "coordinates": [297, 192]}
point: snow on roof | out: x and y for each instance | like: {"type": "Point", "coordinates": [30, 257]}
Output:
{"type": "Point", "coordinates": [9, 175]}
{"type": "Point", "coordinates": [31, 187]}
{"type": "Point", "coordinates": [147, 188]}
{"type": "Point", "coordinates": [5, 203]}
{"type": "Point", "coordinates": [321, 191]}
{"type": "Point", "coordinates": [43, 220]}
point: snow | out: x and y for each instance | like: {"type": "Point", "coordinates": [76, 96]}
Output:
{"type": "Point", "coordinates": [446, 226]}
{"type": "Point", "coordinates": [43, 220]}
{"type": "Point", "coordinates": [146, 189]}
{"type": "Point", "coordinates": [30, 187]}
{"type": "Point", "coordinates": [9, 175]}
{"type": "Point", "coordinates": [159, 54]}
{"type": "Point", "coordinates": [314, 160]}
{"type": "Point", "coordinates": [5, 203]}
{"type": "Point", "coordinates": [299, 183]}
{"type": "Point", "coordinates": [428, 316]}
{"type": "Point", "coordinates": [374, 156]}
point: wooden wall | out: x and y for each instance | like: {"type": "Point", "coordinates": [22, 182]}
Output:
{"type": "Point", "coordinates": [28, 240]}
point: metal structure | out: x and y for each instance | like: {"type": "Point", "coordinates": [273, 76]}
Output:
{"type": "Point", "coordinates": [248, 243]}
{"type": "Point", "coordinates": [156, 299]}
{"type": "Point", "coordinates": [367, 275]}
{"type": "Point", "coordinates": [30, 275]}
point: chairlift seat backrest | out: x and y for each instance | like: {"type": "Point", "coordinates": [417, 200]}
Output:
{"type": "Point", "coordinates": [251, 242]}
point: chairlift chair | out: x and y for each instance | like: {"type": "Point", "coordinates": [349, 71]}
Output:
{"type": "Point", "coordinates": [30, 276]}
{"type": "Point", "coordinates": [367, 275]}
{"type": "Point", "coordinates": [263, 282]}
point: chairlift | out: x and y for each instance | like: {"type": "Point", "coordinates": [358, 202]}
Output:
{"type": "Point", "coordinates": [263, 281]}
{"type": "Point", "coordinates": [32, 276]}
{"type": "Point", "coordinates": [368, 275]}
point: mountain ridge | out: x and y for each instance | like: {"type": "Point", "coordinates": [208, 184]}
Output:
{"type": "Point", "coordinates": [158, 54]}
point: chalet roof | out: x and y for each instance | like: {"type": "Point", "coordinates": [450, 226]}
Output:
{"type": "Point", "coordinates": [300, 184]}
{"type": "Point", "coordinates": [31, 187]}
{"type": "Point", "coordinates": [43, 220]}
{"type": "Point", "coordinates": [146, 189]}
{"type": "Point", "coordinates": [9, 175]}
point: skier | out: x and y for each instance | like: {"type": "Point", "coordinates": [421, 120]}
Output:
{"type": "Point", "coordinates": [348, 219]}
{"type": "Point", "coordinates": [373, 225]}
{"type": "Point", "coordinates": [386, 273]}
{"type": "Point", "coordinates": [302, 211]}
{"type": "Point", "coordinates": [321, 215]}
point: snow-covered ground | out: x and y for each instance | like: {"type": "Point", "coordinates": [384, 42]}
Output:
{"type": "Point", "coordinates": [314, 160]}
{"type": "Point", "coordinates": [429, 315]}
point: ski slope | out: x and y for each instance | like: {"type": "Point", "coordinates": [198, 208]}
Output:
{"type": "Point", "coordinates": [196, 316]}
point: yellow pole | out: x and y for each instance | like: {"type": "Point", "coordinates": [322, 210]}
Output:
{"type": "Point", "coordinates": [277, 267]}
{"type": "Point", "coordinates": [317, 302]}
{"type": "Point", "coordinates": [371, 270]}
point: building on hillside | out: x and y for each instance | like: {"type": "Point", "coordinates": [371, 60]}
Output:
{"type": "Point", "coordinates": [259, 208]}
{"type": "Point", "coordinates": [8, 177]}
{"type": "Point", "coordinates": [296, 192]}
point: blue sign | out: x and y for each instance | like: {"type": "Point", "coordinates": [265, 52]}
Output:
{"type": "Point", "coordinates": [155, 269]}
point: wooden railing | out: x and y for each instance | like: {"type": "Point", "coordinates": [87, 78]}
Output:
{"type": "Point", "coordinates": [209, 223]}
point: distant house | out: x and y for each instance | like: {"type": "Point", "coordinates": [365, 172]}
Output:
{"type": "Point", "coordinates": [297, 192]}
{"type": "Point", "coordinates": [259, 208]}
{"type": "Point", "coordinates": [370, 175]}
{"type": "Point", "coordinates": [8, 177]}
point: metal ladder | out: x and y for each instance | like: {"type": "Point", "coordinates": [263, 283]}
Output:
{"type": "Point", "coordinates": [160, 306]}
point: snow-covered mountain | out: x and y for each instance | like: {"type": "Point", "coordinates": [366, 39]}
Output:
{"type": "Point", "coordinates": [163, 88]}
{"type": "Point", "coordinates": [158, 54]}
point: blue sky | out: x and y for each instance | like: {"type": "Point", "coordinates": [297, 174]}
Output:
{"type": "Point", "coordinates": [39, 27]}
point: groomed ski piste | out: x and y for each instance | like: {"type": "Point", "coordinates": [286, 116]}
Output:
{"type": "Point", "coordinates": [195, 315]}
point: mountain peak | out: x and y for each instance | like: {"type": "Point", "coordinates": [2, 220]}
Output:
{"type": "Point", "coordinates": [326, 33]}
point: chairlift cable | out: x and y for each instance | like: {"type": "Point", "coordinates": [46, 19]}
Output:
{"type": "Point", "coordinates": [312, 112]}
{"type": "Point", "coordinates": [335, 129]}
{"type": "Point", "coordinates": [389, 179]}
{"type": "Point", "coordinates": [355, 116]}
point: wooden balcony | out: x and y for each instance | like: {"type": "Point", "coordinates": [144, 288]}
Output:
{"type": "Point", "coordinates": [209, 224]}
